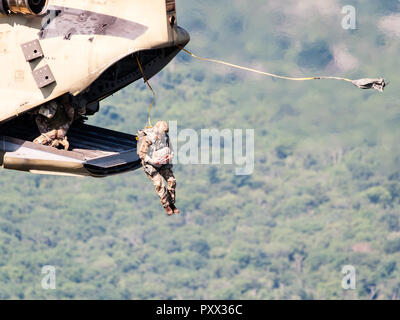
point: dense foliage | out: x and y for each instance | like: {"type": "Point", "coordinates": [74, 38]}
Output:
{"type": "Point", "coordinates": [325, 192]}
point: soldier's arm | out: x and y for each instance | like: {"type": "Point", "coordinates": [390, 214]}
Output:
{"type": "Point", "coordinates": [70, 111]}
{"type": "Point", "coordinates": [143, 151]}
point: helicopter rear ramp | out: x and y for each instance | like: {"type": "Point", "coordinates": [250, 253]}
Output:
{"type": "Point", "coordinates": [94, 152]}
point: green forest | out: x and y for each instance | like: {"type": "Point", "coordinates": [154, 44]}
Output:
{"type": "Point", "coordinates": [325, 192]}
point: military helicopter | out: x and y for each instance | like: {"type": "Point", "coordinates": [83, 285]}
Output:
{"type": "Point", "coordinates": [86, 50]}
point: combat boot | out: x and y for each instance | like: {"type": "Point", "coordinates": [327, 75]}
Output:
{"type": "Point", "coordinates": [169, 211]}
{"type": "Point", "coordinates": [175, 209]}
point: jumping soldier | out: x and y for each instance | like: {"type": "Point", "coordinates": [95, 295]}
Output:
{"type": "Point", "coordinates": [156, 155]}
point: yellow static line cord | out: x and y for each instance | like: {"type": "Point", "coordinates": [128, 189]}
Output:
{"type": "Point", "coordinates": [154, 94]}
{"type": "Point", "coordinates": [232, 66]}
{"type": "Point", "coordinates": [261, 72]}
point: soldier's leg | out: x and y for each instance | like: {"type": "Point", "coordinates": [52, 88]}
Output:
{"type": "Point", "coordinates": [159, 185]}
{"type": "Point", "coordinates": [46, 139]}
{"type": "Point", "coordinates": [171, 183]}
{"type": "Point", "coordinates": [42, 139]}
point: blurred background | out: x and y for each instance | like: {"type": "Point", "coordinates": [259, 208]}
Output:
{"type": "Point", "coordinates": [325, 192]}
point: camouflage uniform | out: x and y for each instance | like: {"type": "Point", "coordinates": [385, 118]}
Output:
{"type": "Point", "coordinates": [53, 121]}
{"type": "Point", "coordinates": [157, 166]}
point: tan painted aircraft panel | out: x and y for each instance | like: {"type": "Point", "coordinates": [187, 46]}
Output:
{"type": "Point", "coordinates": [78, 57]}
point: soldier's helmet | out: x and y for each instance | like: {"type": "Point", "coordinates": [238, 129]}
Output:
{"type": "Point", "coordinates": [162, 126]}
{"type": "Point", "coordinates": [48, 110]}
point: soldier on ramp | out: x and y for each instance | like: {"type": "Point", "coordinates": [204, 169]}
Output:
{"type": "Point", "coordinates": [53, 121]}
